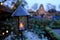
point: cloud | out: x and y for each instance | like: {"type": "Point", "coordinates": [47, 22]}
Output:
{"type": "Point", "coordinates": [44, 2]}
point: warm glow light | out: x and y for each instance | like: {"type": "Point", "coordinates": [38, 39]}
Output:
{"type": "Point", "coordinates": [7, 31]}
{"type": "Point", "coordinates": [3, 33]}
{"type": "Point", "coordinates": [21, 25]}
{"type": "Point", "coordinates": [1, 3]}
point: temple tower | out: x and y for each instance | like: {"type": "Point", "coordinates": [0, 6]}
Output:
{"type": "Point", "coordinates": [41, 10]}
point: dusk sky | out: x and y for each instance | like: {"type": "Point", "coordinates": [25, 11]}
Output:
{"type": "Point", "coordinates": [31, 3]}
{"type": "Point", "coordinates": [44, 2]}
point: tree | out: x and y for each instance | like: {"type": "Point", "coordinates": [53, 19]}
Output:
{"type": "Point", "coordinates": [52, 11]}
{"type": "Point", "coordinates": [51, 8]}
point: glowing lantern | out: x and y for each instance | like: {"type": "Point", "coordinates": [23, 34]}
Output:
{"type": "Point", "coordinates": [22, 19]}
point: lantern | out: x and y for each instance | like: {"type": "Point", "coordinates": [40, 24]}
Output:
{"type": "Point", "coordinates": [22, 18]}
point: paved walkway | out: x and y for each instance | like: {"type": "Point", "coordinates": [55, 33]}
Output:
{"type": "Point", "coordinates": [32, 36]}
{"type": "Point", "coordinates": [29, 36]}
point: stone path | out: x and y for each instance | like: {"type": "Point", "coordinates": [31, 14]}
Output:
{"type": "Point", "coordinates": [29, 36]}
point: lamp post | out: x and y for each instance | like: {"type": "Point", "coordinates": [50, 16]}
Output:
{"type": "Point", "coordinates": [22, 19]}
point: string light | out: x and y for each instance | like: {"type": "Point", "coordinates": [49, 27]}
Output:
{"type": "Point", "coordinates": [7, 31]}
{"type": "Point", "coordinates": [3, 33]}
{"type": "Point", "coordinates": [1, 3]}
